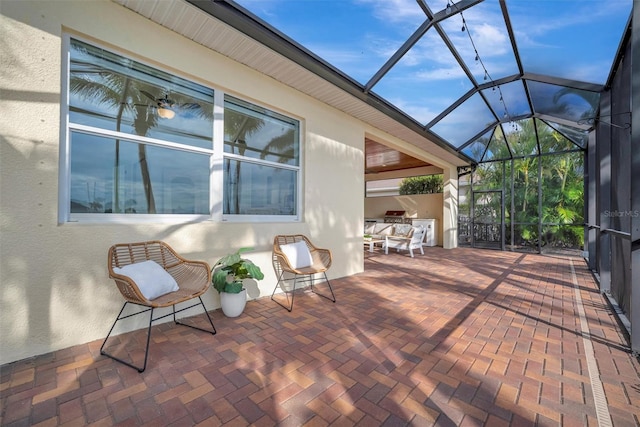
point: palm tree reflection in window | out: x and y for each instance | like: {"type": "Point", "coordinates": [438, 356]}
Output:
{"type": "Point", "coordinates": [238, 127]}
{"type": "Point", "coordinates": [136, 102]}
{"type": "Point", "coordinates": [245, 136]}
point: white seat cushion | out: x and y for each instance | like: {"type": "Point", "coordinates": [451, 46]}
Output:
{"type": "Point", "coordinates": [298, 254]}
{"type": "Point", "coordinates": [152, 280]}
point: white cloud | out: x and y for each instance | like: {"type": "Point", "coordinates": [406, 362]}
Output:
{"type": "Point", "coordinates": [566, 14]}
{"type": "Point", "coordinates": [419, 112]}
{"type": "Point", "coordinates": [395, 11]}
{"type": "Point", "coordinates": [490, 40]}
{"type": "Point", "coordinates": [443, 73]}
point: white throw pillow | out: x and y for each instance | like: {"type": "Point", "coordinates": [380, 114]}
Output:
{"type": "Point", "coordinates": [152, 280]}
{"type": "Point", "coordinates": [298, 254]}
{"type": "Point", "coordinates": [403, 230]}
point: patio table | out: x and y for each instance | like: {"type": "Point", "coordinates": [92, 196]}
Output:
{"type": "Point", "coordinates": [372, 242]}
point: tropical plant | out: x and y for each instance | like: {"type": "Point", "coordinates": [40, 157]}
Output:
{"type": "Point", "coordinates": [231, 270]}
{"type": "Point", "coordinates": [559, 193]}
{"type": "Point", "coordinates": [426, 184]}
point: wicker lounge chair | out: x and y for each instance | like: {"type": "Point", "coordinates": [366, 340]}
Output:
{"type": "Point", "coordinates": [296, 259]}
{"type": "Point", "coordinates": [191, 277]}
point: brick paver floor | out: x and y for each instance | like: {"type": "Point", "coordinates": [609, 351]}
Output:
{"type": "Point", "coordinates": [453, 337]}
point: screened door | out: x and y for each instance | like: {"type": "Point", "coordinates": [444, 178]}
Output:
{"type": "Point", "coordinates": [487, 215]}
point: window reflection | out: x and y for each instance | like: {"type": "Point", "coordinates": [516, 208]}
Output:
{"type": "Point", "coordinates": [178, 181]}
{"type": "Point", "coordinates": [477, 148]}
{"type": "Point", "coordinates": [463, 123]}
{"type": "Point", "coordinates": [577, 136]}
{"type": "Point", "coordinates": [508, 100]}
{"type": "Point", "coordinates": [550, 140]}
{"type": "Point", "coordinates": [141, 142]}
{"type": "Point", "coordinates": [258, 133]}
{"type": "Point", "coordinates": [110, 92]}
{"type": "Point", "coordinates": [563, 102]}
{"type": "Point", "coordinates": [253, 189]}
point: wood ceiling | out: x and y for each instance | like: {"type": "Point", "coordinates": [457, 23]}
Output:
{"type": "Point", "coordinates": [380, 158]}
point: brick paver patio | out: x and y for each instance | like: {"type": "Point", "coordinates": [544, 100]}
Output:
{"type": "Point", "coordinates": [455, 337]}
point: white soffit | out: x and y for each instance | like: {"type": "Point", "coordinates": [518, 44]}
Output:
{"type": "Point", "coordinates": [189, 21]}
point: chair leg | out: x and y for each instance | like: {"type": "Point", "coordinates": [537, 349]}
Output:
{"type": "Point", "coordinates": [284, 291]}
{"type": "Point", "coordinates": [151, 320]}
{"type": "Point", "coordinates": [177, 322]}
{"type": "Point", "coordinates": [146, 353]}
{"type": "Point", "coordinates": [333, 297]}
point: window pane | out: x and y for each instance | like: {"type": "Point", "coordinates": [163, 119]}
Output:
{"type": "Point", "coordinates": [468, 119]}
{"type": "Point", "coordinates": [552, 141]}
{"type": "Point", "coordinates": [578, 136]}
{"type": "Point", "coordinates": [116, 176]}
{"type": "Point", "coordinates": [383, 187]}
{"type": "Point", "coordinates": [563, 102]}
{"type": "Point", "coordinates": [114, 93]}
{"type": "Point", "coordinates": [258, 133]}
{"type": "Point", "coordinates": [477, 148]}
{"type": "Point", "coordinates": [508, 100]}
{"type": "Point", "coordinates": [522, 138]}
{"type": "Point", "coordinates": [253, 189]}
{"type": "Point", "coordinates": [497, 149]}
{"type": "Point", "coordinates": [426, 80]}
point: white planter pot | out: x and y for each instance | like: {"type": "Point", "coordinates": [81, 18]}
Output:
{"type": "Point", "coordinates": [233, 304]}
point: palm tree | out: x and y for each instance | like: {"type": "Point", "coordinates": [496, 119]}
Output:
{"type": "Point", "coordinates": [561, 186]}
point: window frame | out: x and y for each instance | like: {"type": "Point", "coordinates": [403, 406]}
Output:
{"type": "Point", "coordinates": [216, 155]}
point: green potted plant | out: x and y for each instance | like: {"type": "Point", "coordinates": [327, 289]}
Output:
{"type": "Point", "coordinates": [227, 277]}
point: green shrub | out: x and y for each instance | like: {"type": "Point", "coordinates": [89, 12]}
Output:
{"type": "Point", "coordinates": [426, 184]}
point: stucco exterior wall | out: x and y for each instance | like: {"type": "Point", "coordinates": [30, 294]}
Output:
{"type": "Point", "coordinates": [54, 287]}
{"type": "Point", "coordinates": [55, 291]}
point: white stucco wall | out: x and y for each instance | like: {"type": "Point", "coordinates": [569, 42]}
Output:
{"type": "Point", "coordinates": [54, 288]}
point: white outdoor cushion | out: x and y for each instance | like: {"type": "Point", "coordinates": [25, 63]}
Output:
{"type": "Point", "coordinates": [152, 280]}
{"type": "Point", "coordinates": [298, 254]}
{"type": "Point", "coordinates": [418, 233]}
{"type": "Point", "coordinates": [382, 228]}
{"type": "Point", "coordinates": [369, 227]}
{"type": "Point", "coordinates": [403, 230]}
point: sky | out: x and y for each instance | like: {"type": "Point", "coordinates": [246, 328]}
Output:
{"type": "Point", "coordinates": [573, 39]}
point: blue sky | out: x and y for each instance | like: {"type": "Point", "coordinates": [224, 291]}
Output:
{"type": "Point", "coordinates": [574, 39]}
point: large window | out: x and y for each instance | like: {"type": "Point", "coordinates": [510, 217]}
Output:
{"type": "Point", "coordinates": [140, 143]}
{"type": "Point", "coordinates": [261, 160]}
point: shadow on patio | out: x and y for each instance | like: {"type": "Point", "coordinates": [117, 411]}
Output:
{"type": "Point", "coordinates": [454, 337]}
